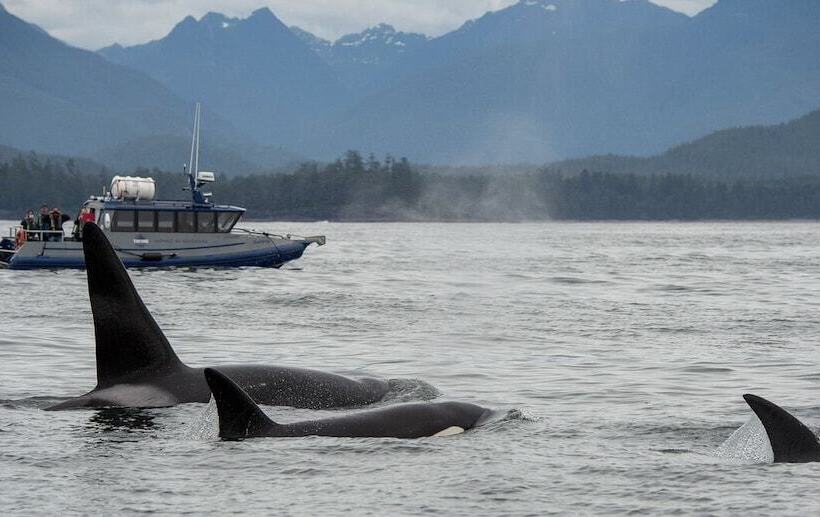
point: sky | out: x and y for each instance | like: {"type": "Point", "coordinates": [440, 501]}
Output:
{"type": "Point", "coordinates": [93, 24]}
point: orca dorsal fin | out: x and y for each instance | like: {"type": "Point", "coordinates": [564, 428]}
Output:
{"type": "Point", "coordinates": [129, 342]}
{"type": "Point", "coordinates": [239, 416]}
{"type": "Point", "coordinates": [791, 440]}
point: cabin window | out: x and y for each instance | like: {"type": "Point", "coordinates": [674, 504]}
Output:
{"type": "Point", "coordinates": [123, 221]}
{"type": "Point", "coordinates": [145, 220]}
{"type": "Point", "coordinates": [185, 222]}
{"type": "Point", "coordinates": [206, 222]}
{"type": "Point", "coordinates": [165, 221]}
{"type": "Point", "coordinates": [226, 220]}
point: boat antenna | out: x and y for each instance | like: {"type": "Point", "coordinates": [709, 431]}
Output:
{"type": "Point", "coordinates": [193, 164]}
{"type": "Point", "coordinates": [194, 140]}
{"type": "Point", "coordinates": [198, 124]}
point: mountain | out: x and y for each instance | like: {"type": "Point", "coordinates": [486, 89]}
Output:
{"type": "Point", "coordinates": [61, 99]}
{"type": "Point", "coordinates": [756, 152]}
{"type": "Point", "coordinates": [538, 80]}
{"type": "Point", "coordinates": [320, 46]}
{"type": "Point", "coordinates": [253, 71]}
{"type": "Point", "coordinates": [360, 58]}
{"type": "Point", "coordinates": [548, 79]}
{"type": "Point", "coordinates": [745, 62]}
{"type": "Point", "coordinates": [56, 98]}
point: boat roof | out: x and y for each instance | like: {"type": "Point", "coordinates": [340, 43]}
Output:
{"type": "Point", "coordinates": [110, 203]}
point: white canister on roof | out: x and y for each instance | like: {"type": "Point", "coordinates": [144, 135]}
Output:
{"type": "Point", "coordinates": [132, 187]}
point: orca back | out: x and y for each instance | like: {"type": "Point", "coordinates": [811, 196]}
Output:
{"type": "Point", "coordinates": [791, 440]}
{"type": "Point", "coordinates": [240, 418]}
{"type": "Point", "coordinates": [128, 340]}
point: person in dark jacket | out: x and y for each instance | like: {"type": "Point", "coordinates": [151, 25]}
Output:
{"type": "Point", "coordinates": [30, 225]}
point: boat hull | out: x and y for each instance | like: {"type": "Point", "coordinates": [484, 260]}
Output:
{"type": "Point", "coordinates": [163, 251]}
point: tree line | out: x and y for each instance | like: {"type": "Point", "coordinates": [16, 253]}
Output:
{"type": "Point", "coordinates": [367, 189]}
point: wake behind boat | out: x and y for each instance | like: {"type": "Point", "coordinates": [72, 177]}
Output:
{"type": "Point", "coordinates": [151, 233]}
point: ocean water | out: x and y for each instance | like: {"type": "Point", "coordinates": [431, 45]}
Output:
{"type": "Point", "coordinates": [615, 355]}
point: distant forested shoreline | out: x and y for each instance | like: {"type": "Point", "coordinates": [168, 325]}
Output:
{"type": "Point", "coordinates": [354, 188]}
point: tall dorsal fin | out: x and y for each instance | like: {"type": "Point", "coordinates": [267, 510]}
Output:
{"type": "Point", "coordinates": [792, 442]}
{"type": "Point", "coordinates": [239, 416]}
{"type": "Point", "coordinates": [129, 341]}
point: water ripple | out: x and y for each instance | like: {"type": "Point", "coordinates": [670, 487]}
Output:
{"type": "Point", "coordinates": [613, 354]}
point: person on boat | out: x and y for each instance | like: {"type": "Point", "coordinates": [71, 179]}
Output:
{"type": "Point", "coordinates": [20, 238]}
{"type": "Point", "coordinates": [30, 225]}
{"type": "Point", "coordinates": [57, 220]}
{"type": "Point", "coordinates": [87, 215]}
{"type": "Point", "coordinates": [27, 226]}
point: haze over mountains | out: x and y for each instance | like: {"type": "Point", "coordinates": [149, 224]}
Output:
{"type": "Point", "coordinates": [756, 152]}
{"type": "Point", "coordinates": [538, 81]}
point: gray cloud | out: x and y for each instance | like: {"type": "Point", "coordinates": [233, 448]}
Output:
{"type": "Point", "coordinates": [96, 23]}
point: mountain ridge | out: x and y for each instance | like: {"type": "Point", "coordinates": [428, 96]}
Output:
{"type": "Point", "coordinates": [597, 76]}
{"type": "Point", "coordinates": [358, 57]}
{"type": "Point", "coordinates": [254, 71]}
{"type": "Point", "coordinates": [537, 81]}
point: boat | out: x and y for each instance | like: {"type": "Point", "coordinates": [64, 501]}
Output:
{"type": "Point", "coordinates": [151, 233]}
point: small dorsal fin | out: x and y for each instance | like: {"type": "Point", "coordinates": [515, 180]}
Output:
{"type": "Point", "coordinates": [129, 342]}
{"type": "Point", "coordinates": [791, 440]}
{"type": "Point", "coordinates": [239, 416]}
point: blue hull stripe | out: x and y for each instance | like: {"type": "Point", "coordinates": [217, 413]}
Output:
{"type": "Point", "coordinates": [171, 250]}
{"type": "Point", "coordinates": [265, 258]}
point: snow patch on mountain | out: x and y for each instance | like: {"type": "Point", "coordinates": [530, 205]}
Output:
{"type": "Point", "coordinates": [382, 33]}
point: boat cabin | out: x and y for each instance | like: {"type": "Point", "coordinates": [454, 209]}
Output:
{"type": "Point", "coordinates": [163, 216]}
{"type": "Point", "coordinates": [130, 207]}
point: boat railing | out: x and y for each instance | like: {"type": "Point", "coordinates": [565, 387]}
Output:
{"type": "Point", "coordinates": [256, 232]}
{"type": "Point", "coordinates": [37, 235]}
{"type": "Point", "coordinates": [319, 240]}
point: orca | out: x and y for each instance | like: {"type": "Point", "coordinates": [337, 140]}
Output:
{"type": "Point", "coordinates": [137, 368]}
{"type": "Point", "coordinates": [791, 440]}
{"type": "Point", "coordinates": [241, 418]}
